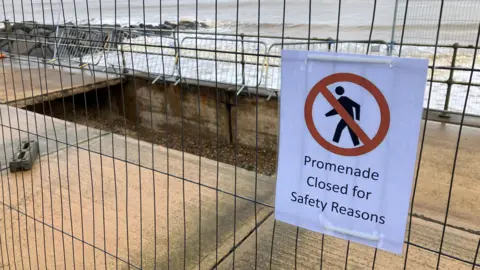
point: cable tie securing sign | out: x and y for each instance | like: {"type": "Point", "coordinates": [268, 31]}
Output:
{"type": "Point", "coordinates": [329, 226]}
{"type": "Point", "coordinates": [349, 59]}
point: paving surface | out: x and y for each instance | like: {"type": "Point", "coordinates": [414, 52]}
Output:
{"type": "Point", "coordinates": [149, 206]}
{"type": "Point", "coordinates": [27, 82]}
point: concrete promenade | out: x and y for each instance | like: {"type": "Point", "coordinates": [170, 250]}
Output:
{"type": "Point", "coordinates": [28, 82]}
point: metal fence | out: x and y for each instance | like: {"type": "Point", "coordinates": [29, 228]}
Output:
{"type": "Point", "coordinates": [232, 60]}
{"type": "Point", "coordinates": [421, 19]}
{"type": "Point", "coordinates": [163, 155]}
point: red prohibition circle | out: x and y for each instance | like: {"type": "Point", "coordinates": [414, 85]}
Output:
{"type": "Point", "coordinates": [368, 144]}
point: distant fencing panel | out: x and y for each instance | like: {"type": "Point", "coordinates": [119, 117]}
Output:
{"type": "Point", "coordinates": [81, 45]}
{"type": "Point", "coordinates": [155, 54]}
{"type": "Point", "coordinates": [419, 21]}
{"type": "Point", "coordinates": [238, 62]}
{"type": "Point", "coordinates": [273, 71]}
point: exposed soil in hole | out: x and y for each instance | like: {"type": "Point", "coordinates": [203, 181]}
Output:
{"type": "Point", "coordinates": [99, 115]}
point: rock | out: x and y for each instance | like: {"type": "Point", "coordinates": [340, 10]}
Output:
{"type": "Point", "coordinates": [30, 22]}
{"type": "Point", "coordinates": [51, 39]}
{"type": "Point", "coordinates": [53, 35]}
{"type": "Point", "coordinates": [188, 24]}
{"type": "Point", "coordinates": [111, 25]}
{"type": "Point", "coordinates": [48, 53]}
{"type": "Point", "coordinates": [22, 47]}
{"type": "Point", "coordinates": [133, 35]}
{"type": "Point", "coordinates": [57, 33]}
{"type": "Point", "coordinates": [43, 52]}
{"type": "Point", "coordinates": [52, 44]}
{"type": "Point", "coordinates": [19, 32]}
{"type": "Point", "coordinates": [40, 32]}
{"type": "Point", "coordinates": [16, 34]}
{"type": "Point", "coordinates": [147, 26]}
{"type": "Point", "coordinates": [17, 26]}
{"type": "Point", "coordinates": [202, 24]}
{"type": "Point", "coordinates": [170, 24]}
{"type": "Point", "coordinates": [38, 52]}
{"type": "Point", "coordinates": [165, 33]}
{"type": "Point", "coordinates": [3, 42]}
{"type": "Point", "coordinates": [5, 46]}
{"type": "Point", "coordinates": [29, 27]}
{"type": "Point", "coordinates": [183, 25]}
{"type": "Point", "coordinates": [24, 26]}
{"type": "Point", "coordinates": [52, 28]}
{"type": "Point", "coordinates": [44, 41]}
{"type": "Point", "coordinates": [166, 27]}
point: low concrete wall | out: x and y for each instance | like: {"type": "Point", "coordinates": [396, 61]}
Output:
{"type": "Point", "coordinates": [243, 119]}
{"type": "Point", "coordinates": [162, 107]}
{"type": "Point", "coordinates": [245, 115]}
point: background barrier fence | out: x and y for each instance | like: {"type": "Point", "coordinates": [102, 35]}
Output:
{"type": "Point", "coordinates": [176, 57]}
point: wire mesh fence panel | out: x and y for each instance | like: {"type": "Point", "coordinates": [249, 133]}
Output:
{"type": "Point", "coordinates": [164, 154]}
{"type": "Point", "coordinates": [223, 60]}
{"type": "Point", "coordinates": [421, 18]}
{"type": "Point", "coordinates": [154, 54]}
{"type": "Point", "coordinates": [80, 45]}
{"type": "Point", "coordinates": [272, 77]}
{"type": "Point", "coordinates": [273, 74]}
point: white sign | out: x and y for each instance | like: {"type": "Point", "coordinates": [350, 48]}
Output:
{"type": "Point", "coordinates": [349, 129]}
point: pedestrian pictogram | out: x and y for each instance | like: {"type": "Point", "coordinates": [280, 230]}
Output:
{"type": "Point", "coordinates": [349, 112]}
{"type": "Point", "coordinates": [353, 110]}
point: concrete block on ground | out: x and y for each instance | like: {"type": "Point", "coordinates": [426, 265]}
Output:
{"type": "Point", "coordinates": [43, 52]}
{"type": "Point", "coordinates": [18, 125]}
{"type": "Point", "coordinates": [25, 156]}
{"type": "Point", "coordinates": [23, 47]}
{"type": "Point", "coordinates": [5, 45]}
{"type": "Point", "coordinates": [24, 26]}
{"type": "Point", "coordinates": [40, 32]}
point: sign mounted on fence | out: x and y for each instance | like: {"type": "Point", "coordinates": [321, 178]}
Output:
{"type": "Point", "coordinates": [349, 129]}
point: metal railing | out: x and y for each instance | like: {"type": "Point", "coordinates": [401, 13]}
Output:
{"type": "Point", "coordinates": [245, 62]}
{"type": "Point", "coordinates": [82, 47]}
{"type": "Point", "coordinates": [232, 61]}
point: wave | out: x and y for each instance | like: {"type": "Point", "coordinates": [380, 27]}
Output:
{"type": "Point", "coordinates": [234, 24]}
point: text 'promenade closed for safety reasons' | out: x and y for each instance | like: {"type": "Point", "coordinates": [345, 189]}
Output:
{"type": "Point", "coordinates": [349, 129]}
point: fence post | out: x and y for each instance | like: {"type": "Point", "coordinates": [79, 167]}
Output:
{"type": "Point", "coordinates": [176, 46]}
{"type": "Point", "coordinates": [8, 26]}
{"type": "Point", "coordinates": [330, 42]}
{"type": "Point", "coordinates": [243, 59]}
{"type": "Point", "coordinates": [450, 81]}
{"type": "Point", "coordinates": [390, 47]}
{"type": "Point", "coordinates": [394, 26]}
{"type": "Point", "coordinates": [124, 62]}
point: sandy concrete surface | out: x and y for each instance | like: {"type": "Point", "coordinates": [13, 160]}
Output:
{"type": "Point", "coordinates": [26, 83]}
{"type": "Point", "coordinates": [431, 197]}
{"type": "Point", "coordinates": [72, 198]}
{"type": "Point", "coordinates": [111, 193]}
